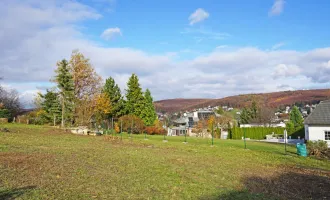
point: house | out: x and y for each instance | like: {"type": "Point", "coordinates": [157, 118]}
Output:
{"type": "Point", "coordinates": [317, 124]}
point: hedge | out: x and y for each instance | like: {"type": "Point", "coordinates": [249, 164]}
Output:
{"type": "Point", "coordinates": [257, 133]}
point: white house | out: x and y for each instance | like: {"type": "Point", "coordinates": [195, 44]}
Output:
{"type": "Point", "coordinates": [317, 124]}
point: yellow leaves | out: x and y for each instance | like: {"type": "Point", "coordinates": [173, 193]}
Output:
{"type": "Point", "coordinates": [158, 124]}
{"type": "Point", "coordinates": [210, 122]}
{"type": "Point", "coordinates": [103, 104]}
{"type": "Point", "coordinates": [40, 112]}
{"type": "Point", "coordinates": [117, 127]}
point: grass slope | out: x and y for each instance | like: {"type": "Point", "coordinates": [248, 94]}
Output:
{"type": "Point", "coordinates": [44, 163]}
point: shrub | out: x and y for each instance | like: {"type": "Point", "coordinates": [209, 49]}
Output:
{"type": "Point", "coordinates": [317, 148]}
{"type": "Point", "coordinates": [132, 123]}
{"type": "Point", "coordinates": [4, 113]}
{"type": "Point", "coordinates": [154, 130]}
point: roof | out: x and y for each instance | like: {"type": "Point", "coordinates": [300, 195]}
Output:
{"type": "Point", "coordinates": [180, 121]}
{"type": "Point", "coordinates": [320, 115]}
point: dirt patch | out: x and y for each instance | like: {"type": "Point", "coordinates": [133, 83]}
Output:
{"type": "Point", "coordinates": [21, 160]}
{"type": "Point", "coordinates": [291, 183]}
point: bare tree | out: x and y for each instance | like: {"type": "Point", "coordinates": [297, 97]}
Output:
{"type": "Point", "coordinates": [9, 98]}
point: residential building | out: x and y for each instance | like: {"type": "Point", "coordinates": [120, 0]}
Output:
{"type": "Point", "coordinates": [317, 124]}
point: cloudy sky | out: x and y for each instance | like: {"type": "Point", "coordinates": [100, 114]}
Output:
{"type": "Point", "coordinates": [179, 49]}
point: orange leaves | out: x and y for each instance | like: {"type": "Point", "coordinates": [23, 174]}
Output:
{"type": "Point", "coordinates": [154, 130]}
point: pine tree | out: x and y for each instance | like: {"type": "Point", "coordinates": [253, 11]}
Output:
{"type": "Point", "coordinates": [296, 117]}
{"type": "Point", "coordinates": [149, 114]}
{"type": "Point", "coordinates": [65, 84]}
{"type": "Point", "coordinates": [254, 110]}
{"type": "Point", "coordinates": [113, 91]}
{"type": "Point", "coordinates": [135, 100]}
{"type": "Point", "coordinates": [245, 116]}
{"type": "Point", "coordinates": [51, 105]}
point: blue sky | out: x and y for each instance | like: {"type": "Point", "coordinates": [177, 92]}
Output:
{"type": "Point", "coordinates": [179, 49]}
{"type": "Point", "coordinates": [146, 24]}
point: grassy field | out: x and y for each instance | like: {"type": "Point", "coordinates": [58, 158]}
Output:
{"type": "Point", "coordinates": [44, 163]}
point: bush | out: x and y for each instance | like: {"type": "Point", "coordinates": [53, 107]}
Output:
{"type": "Point", "coordinates": [154, 130]}
{"type": "Point", "coordinates": [4, 113]}
{"type": "Point", "coordinates": [132, 124]}
{"type": "Point", "coordinates": [317, 148]}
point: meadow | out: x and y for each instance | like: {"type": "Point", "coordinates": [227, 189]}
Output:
{"type": "Point", "coordinates": [38, 162]}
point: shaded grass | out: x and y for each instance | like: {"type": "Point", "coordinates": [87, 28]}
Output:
{"type": "Point", "coordinates": [65, 166]}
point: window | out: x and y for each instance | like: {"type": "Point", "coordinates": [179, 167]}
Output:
{"type": "Point", "coordinates": [327, 135]}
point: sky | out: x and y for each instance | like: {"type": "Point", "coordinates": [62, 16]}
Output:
{"type": "Point", "coordinates": [179, 49]}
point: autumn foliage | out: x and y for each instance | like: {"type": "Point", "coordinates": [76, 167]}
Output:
{"type": "Point", "coordinates": [154, 130]}
{"type": "Point", "coordinates": [102, 106]}
{"type": "Point", "coordinates": [132, 123]}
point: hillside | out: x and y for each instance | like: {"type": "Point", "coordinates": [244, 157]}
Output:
{"type": "Point", "coordinates": [274, 99]}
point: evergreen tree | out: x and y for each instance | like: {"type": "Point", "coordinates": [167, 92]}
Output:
{"type": "Point", "coordinates": [220, 111]}
{"type": "Point", "coordinates": [135, 100]}
{"type": "Point", "coordinates": [65, 84]}
{"type": "Point", "coordinates": [117, 103]}
{"type": "Point", "coordinates": [254, 110]}
{"type": "Point", "coordinates": [245, 116]}
{"type": "Point", "coordinates": [149, 113]}
{"type": "Point", "coordinates": [296, 117]}
{"type": "Point", "coordinates": [51, 105]}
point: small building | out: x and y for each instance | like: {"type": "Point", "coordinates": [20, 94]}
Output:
{"type": "Point", "coordinates": [317, 124]}
{"type": "Point", "coordinates": [177, 131]}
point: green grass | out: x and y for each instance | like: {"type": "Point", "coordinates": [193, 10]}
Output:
{"type": "Point", "coordinates": [43, 163]}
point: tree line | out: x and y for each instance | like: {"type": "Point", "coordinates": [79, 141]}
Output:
{"type": "Point", "coordinates": [81, 97]}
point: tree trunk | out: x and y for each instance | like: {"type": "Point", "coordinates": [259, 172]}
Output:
{"type": "Point", "coordinates": [54, 120]}
{"type": "Point", "coordinates": [62, 122]}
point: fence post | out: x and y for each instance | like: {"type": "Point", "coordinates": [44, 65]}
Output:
{"type": "Point", "coordinates": [212, 134]}
{"type": "Point", "coordinates": [244, 138]}
{"type": "Point", "coordinates": [185, 136]}
{"type": "Point", "coordinates": [121, 129]}
{"type": "Point", "coordinates": [285, 139]}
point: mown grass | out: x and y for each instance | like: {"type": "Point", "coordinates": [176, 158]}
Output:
{"type": "Point", "coordinates": [43, 163]}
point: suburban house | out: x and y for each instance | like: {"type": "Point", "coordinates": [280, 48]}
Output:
{"type": "Point", "coordinates": [317, 124]}
{"type": "Point", "coordinates": [184, 124]}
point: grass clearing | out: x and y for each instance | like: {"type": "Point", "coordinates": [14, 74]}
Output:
{"type": "Point", "coordinates": [43, 163]}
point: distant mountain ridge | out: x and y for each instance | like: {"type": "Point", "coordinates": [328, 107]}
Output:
{"type": "Point", "coordinates": [273, 99]}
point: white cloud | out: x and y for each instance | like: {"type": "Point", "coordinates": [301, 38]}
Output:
{"type": "Point", "coordinates": [200, 34]}
{"type": "Point", "coordinates": [198, 16]}
{"type": "Point", "coordinates": [278, 45]}
{"type": "Point", "coordinates": [283, 71]}
{"type": "Point", "coordinates": [277, 8]}
{"type": "Point", "coordinates": [109, 33]}
{"type": "Point", "coordinates": [222, 72]}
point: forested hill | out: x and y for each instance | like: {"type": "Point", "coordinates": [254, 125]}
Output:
{"type": "Point", "coordinates": [274, 99]}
